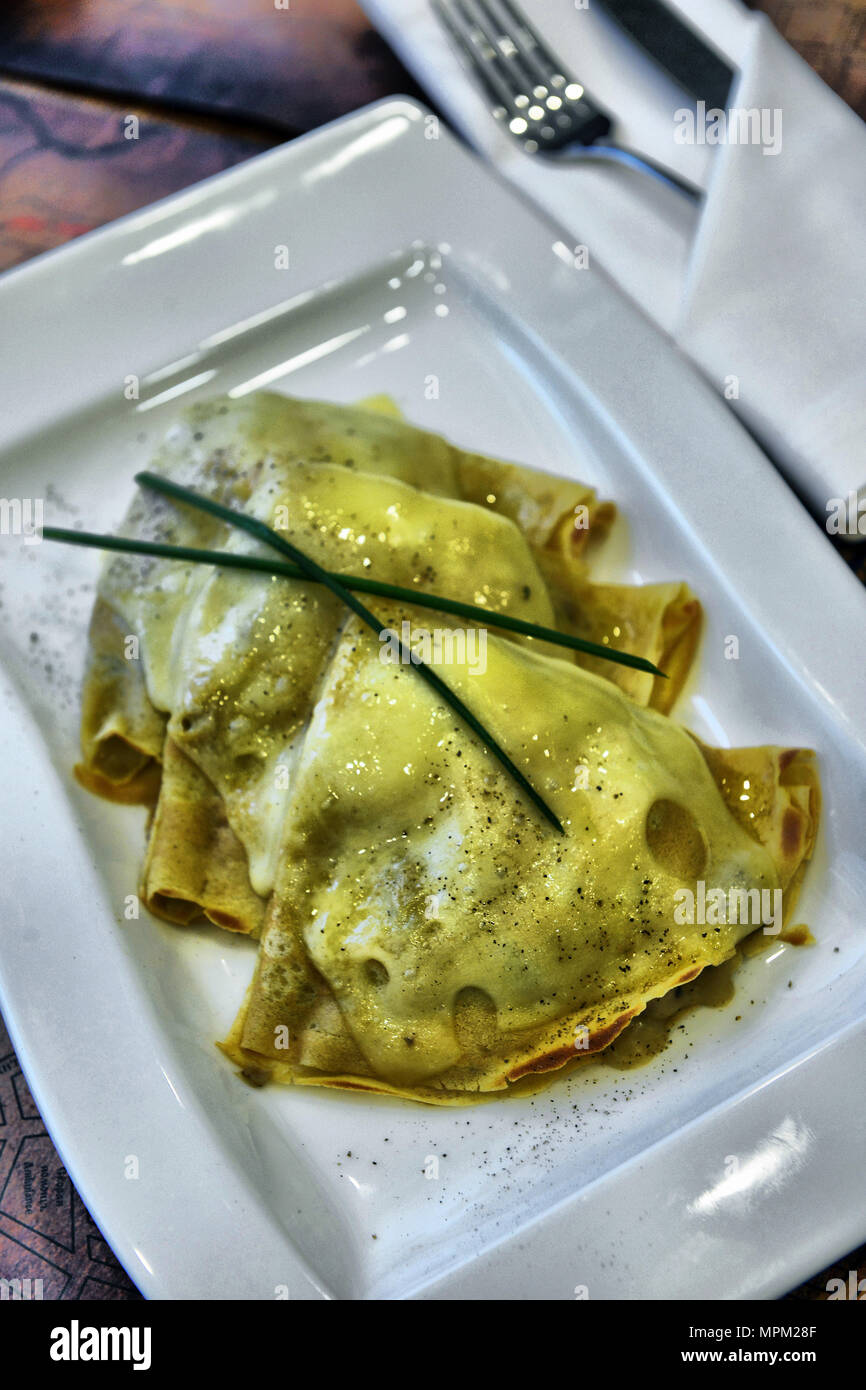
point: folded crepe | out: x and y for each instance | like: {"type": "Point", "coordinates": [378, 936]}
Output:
{"type": "Point", "coordinates": [195, 863]}
{"type": "Point", "coordinates": [231, 663]}
{"type": "Point", "coordinates": [661, 622]}
{"type": "Point", "coordinates": [423, 932]}
{"type": "Point", "coordinates": [430, 936]}
{"type": "Point", "coordinates": [234, 450]}
{"type": "Point", "coordinates": [122, 734]}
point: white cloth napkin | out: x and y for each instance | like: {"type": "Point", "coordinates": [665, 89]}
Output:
{"type": "Point", "coordinates": [763, 284]}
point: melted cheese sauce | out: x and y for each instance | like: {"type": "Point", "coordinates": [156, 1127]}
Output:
{"type": "Point", "coordinates": [421, 874]}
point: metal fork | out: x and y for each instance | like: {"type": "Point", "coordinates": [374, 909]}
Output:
{"type": "Point", "coordinates": [532, 93]}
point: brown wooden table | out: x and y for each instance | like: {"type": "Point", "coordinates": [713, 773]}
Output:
{"type": "Point", "coordinates": [212, 82]}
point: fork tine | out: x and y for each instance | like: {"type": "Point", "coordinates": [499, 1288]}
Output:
{"type": "Point", "coordinates": [510, 84]}
{"type": "Point", "coordinates": [531, 46]}
{"type": "Point", "coordinates": [541, 78]}
{"type": "Point", "coordinates": [546, 109]}
{"type": "Point", "coordinates": [508, 54]}
{"type": "Point", "coordinates": [479, 51]}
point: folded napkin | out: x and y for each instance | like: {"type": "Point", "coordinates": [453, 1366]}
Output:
{"type": "Point", "coordinates": [762, 285]}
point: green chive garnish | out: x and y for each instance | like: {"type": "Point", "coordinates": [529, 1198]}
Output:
{"type": "Point", "coordinates": [228, 560]}
{"type": "Point", "coordinates": [313, 571]}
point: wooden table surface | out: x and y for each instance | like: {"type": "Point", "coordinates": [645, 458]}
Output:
{"type": "Point", "coordinates": [212, 83]}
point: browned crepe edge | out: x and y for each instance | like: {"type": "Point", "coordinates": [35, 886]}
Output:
{"type": "Point", "coordinates": [660, 622]}
{"type": "Point", "coordinates": [196, 867]}
{"type": "Point", "coordinates": [787, 781]}
{"type": "Point", "coordinates": [681, 632]}
{"type": "Point", "coordinates": [121, 732]}
{"type": "Point", "coordinates": [555, 514]}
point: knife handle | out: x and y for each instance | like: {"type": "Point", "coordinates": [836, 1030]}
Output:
{"type": "Point", "coordinates": [676, 47]}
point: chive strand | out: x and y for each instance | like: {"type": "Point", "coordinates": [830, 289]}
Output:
{"type": "Point", "coordinates": [362, 584]}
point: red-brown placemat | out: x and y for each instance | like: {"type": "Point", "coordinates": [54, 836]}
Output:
{"type": "Point", "coordinates": [47, 1238]}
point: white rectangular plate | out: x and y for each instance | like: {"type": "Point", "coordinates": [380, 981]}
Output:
{"type": "Point", "coordinates": [730, 1167]}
